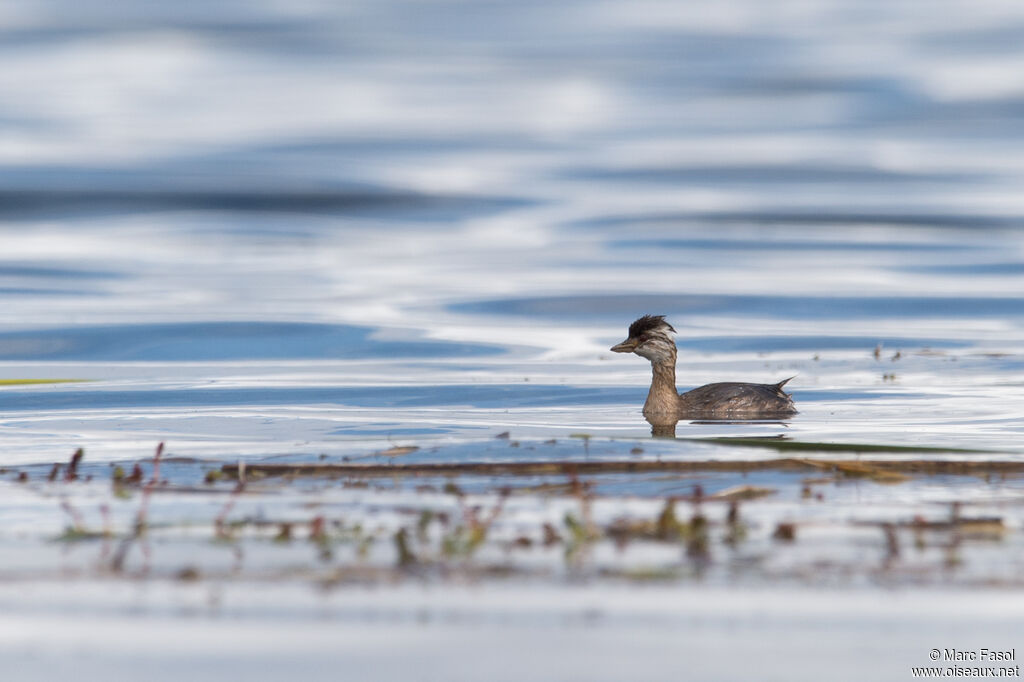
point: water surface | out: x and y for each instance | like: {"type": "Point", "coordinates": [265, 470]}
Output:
{"type": "Point", "coordinates": [310, 232]}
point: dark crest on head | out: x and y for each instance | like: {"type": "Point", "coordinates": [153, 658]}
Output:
{"type": "Point", "coordinates": [646, 324]}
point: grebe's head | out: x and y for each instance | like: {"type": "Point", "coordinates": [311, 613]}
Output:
{"type": "Point", "coordinates": [650, 337]}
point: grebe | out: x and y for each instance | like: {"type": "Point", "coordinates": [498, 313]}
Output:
{"type": "Point", "coordinates": [649, 338]}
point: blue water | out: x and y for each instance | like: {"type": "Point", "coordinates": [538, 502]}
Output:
{"type": "Point", "coordinates": [408, 231]}
{"type": "Point", "coordinates": [308, 229]}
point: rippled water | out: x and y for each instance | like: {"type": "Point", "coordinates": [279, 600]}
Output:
{"type": "Point", "coordinates": [293, 230]}
{"type": "Point", "coordinates": [395, 220]}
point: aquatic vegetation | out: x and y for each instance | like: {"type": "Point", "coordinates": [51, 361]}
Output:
{"type": "Point", "coordinates": [33, 382]}
{"type": "Point", "coordinates": [71, 473]}
{"type": "Point", "coordinates": [736, 530]}
{"type": "Point", "coordinates": [742, 492]}
{"type": "Point", "coordinates": [529, 517]}
{"type": "Point", "coordinates": [895, 470]}
{"type": "Point", "coordinates": [785, 532]}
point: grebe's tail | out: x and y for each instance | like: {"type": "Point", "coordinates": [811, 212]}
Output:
{"type": "Point", "coordinates": [778, 386]}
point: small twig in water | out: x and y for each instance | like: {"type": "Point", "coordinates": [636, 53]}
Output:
{"type": "Point", "coordinates": [141, 518]}
{"type": "Point", "coordinates": [147, 490]}
{"type": "Point", "coordinates": [218, 524]}
{"type": "Point", "coordinates": [72, 472]}
{"type": "Point", "coordinates": [77, 522]}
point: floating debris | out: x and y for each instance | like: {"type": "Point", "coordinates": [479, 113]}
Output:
{"type": "Point", "coordinates": [188, 574]}
{"type": "Point", "coordinates": [412, 530]}
{"type": "Point", "coordinates": [736, 530]}
{"type": "Point", "coordinates": [858, 469]}
{"type": "Point", "coordinates": [551, 536]}
{"type": "Point", "coordinates": [742, 492]}
{"type": "Point", "coordinates": [398, 451]}
{"type": "Point", "coordinates": [406, 558]}
{"type": "Point", "coordinates": [973, 527]}
{"type": "Point", "coordinates": [284, 533]}
{"type": "Point", "coordinates": [667, 526]}
{"type": "Point", "coordinates": [889, 471]}
{"type": "Point", "coordinates": [697, 540]}
{"type": "Point", "coordinates": [785, 532]}
{"type": "Point", "coordinates": [71, 473]}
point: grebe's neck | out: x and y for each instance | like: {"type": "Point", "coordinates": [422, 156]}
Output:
{"type": "Point", "coordinates": [663, 398]}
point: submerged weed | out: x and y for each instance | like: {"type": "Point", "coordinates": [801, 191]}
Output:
{"type": "Point", "coordinates": [668, 527]}
{"type": "Point", "coordinates": [406, 558]}
{"type": "Point", "coordinates": [736, 530]}
{"type": "Point", "coordinates": [284, 533]}
{"type": "Point", "coordinates": [580, 537]}
{"type": "Point", "coordinates": [785, 532]}
{"type": "Point", "coordinates": [697, 541]}
{"type": "Point", "coordinates": [318, 536]}
{"type": "Point", "coordinates": [71, 474]}
{"type": "Point", "coordinates": [426, 516]}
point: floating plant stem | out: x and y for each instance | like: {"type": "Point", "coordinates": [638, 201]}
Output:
{"type": "Point", "coordinates": [31, 382]}
{"type": "Point", "coordinates": [871, 468]}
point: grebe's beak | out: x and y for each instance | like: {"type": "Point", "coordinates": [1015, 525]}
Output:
{"type": "Point", "coordinates": [627, 346]}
